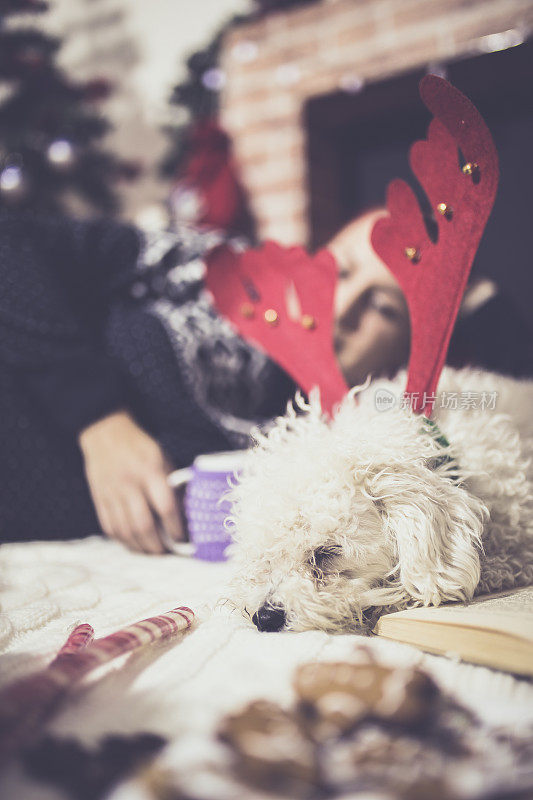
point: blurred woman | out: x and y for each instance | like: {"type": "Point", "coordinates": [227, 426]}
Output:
{"type": "Point", "coordinates": [115, 369]}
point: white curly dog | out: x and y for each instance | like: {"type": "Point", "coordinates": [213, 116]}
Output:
{"type": "Point", "coordinates": [336, 521]}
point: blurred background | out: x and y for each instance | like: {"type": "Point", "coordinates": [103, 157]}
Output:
{"type": "Point", "coordinates": [286, 117]}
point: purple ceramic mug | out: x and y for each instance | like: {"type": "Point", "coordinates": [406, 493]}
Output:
{"type": "Point", "coordinates": [206, 508]}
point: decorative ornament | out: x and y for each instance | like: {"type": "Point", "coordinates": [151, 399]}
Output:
{"type": "Point", "coordinates": [434, 293]}
{"type": "Point", "coordinates": [61, 154]}
{"type": "Point", "coordinates": [271, 316]}
{"type": "Point", "coordinates": [445, 210]}
{"type": "Point", "coordinates": [10, 179]}
{"type": "Point", "coordinates": [13, 185]}
{"type": "Point", "coordinates": [470, 168]}
{"type": "Point", "coordinates": [214, 79]}
{"type": "Point", "coordinates": [207, 190]}
{"type": "Point", "coordinates": [412, 254]}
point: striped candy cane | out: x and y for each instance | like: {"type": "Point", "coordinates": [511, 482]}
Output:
{"type": "Point", "coordinates": [81, 636]}
{"type": "Point", "coordinates": [26, 704]}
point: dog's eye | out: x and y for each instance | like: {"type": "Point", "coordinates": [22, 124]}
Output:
{"type": "Point", "coordinates": [323, 557]}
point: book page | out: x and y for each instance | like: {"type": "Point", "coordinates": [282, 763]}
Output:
{"type": "Point", "coordinates": [515, 601]}
{"type": "Point", "coordinates": [508, 612]}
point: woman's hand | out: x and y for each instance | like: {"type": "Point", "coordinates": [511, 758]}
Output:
{"type": "Point", "coordinates": [127, 475]}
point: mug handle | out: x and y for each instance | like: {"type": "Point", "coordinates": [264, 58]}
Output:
{"type": "Point", "coordinates": [178, 478]}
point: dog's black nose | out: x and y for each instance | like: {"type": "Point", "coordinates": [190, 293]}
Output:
{"type": "Point", "coordinates": [268, 618]}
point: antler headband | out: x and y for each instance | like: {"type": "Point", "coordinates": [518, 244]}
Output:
{"type": "Point", "coordinates": [282, 298]}
{"type": "Point", "coordinates": [433, 275]}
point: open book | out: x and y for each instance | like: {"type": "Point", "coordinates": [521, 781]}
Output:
{"type": "Point", "coordinates": [495, 630]}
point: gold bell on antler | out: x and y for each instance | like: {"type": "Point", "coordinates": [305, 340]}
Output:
{"type": "Point", "coordinates": [271, 316]}
{"type": "Point", "coordinates": [445, 210]}
{"type": "Point", "coordinates": [470, 167]}
{"type": "Point", "coordinates": [412, 254]}
{"type": "Point", "coordinates": [308, 322]}
{"type": "Point", "coordinates": [247, 310]}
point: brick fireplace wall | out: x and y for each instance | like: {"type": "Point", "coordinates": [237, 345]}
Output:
{"type": "Point", "coordinates": [275, 64]}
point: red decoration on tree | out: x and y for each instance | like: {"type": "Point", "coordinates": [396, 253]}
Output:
{"type": "Point", "coordinates": [96, 90]}
{"type": "Point", "coordinates": [282, 299]}
{"type": "Point", "coordinates": [433, 275]}
{"type": "Point", "coordinates": [207, 191]}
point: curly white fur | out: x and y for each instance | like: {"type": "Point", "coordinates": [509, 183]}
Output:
{"type": "Point", "coordinates": [337, 520]}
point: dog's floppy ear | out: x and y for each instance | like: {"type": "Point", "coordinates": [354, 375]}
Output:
{"type": "Point", "coordinates": [435, 528]}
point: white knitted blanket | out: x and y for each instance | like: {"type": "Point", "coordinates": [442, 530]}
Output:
{"type": "Point", "coordinates": [181, 689]}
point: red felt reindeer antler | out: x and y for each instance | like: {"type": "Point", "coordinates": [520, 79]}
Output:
{"type": "Point", "coordinates": [433, 275]}
{"type": "Point", "coordinates": [281, 298]}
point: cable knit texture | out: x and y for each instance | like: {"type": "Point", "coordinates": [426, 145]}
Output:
{"type": "Point", "coordinates": [181, 689]}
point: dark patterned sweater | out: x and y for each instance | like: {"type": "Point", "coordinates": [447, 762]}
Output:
{"type": "Point", "coordinates": [95, 317]}
{"type": "Point", "coordinates": [79, 300]}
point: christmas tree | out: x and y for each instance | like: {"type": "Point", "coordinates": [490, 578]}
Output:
{"type": "Point", "coordinates": [49, 130]}
{"type": "Point", "coordinates": [198, 94]}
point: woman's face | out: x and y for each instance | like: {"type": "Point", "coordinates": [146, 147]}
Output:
{"type": "Point", "coordinates": [371, 332]}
